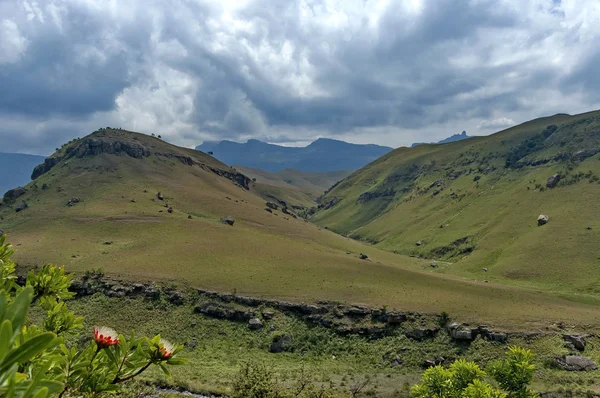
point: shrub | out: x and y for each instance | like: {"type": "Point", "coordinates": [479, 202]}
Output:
{"type": "Point", "coordinates": [36, 362]}
{"type": "Point", "coordinates": [466, 379]}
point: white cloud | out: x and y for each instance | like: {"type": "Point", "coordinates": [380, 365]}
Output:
{"type": "Point", "coordinates": [499, 122]}
{"type": "Point", "coordinates": [390, 72]}
{"type": "Point", "coordinates": [12, 44]}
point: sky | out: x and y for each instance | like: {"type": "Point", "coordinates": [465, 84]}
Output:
{"type": "Point", "coordinates": [388, 72]}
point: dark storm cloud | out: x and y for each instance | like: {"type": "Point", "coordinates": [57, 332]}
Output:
{"type": "Point", "coordinates": [292, 70]}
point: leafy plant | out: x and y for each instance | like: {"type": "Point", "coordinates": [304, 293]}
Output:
{"type": "Point", "coordinates": [465, 379]}
{"type": "Point", "coordinates": [514, 374]}
{"type": "Point", "coordinates": [36, 362]}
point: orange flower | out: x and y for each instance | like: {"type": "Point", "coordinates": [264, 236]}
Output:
{"type": "Point", "coordinates": [105, 337]}
{"type": "Point", "coordinates": [166, 349]}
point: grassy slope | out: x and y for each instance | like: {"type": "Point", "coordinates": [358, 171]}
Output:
{"type": "Point", "coordinates": [292, 186]}
{"type": "Point", "coordinates": [498, 212]}
{"type": "Point", "coordinates": [262, 255]}
{"type": "Point", "coordinates": [341, 362]}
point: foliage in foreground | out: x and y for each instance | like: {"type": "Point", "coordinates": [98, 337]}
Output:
{"type": "Point", "coordinates": [36, 362]}
{"type": "Point", "coordinates": [465, 379]}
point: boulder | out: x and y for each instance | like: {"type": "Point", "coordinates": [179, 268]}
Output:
{"type": "Point", "coordinates": [542, 220]}
{"type": "Point", "coordinates": [159, 196]}
{"type": "Point", "coordinates": [457, 332]}
{"type": "Point", "coordinates": [498, 337]}
{"type": "Point", "coordinates": [268, 314]}
{"type": "Point", "coordinates": [577, 340]}
{"type": "Point", "coordinates": [170, 210]}
{"type": "Point", "coordinates": [73, 201]}
{"type": "Point", "coordinates": [576, 363]}
{"type": "Point", "coordinates": [434, 264]}
{"type": "Point", "coordinates": [363, 256]}
{"type": "Point", "coordinates": [255, 324]}
{"type": "Point", "coordinates": [552, 181]}
{"type": "Point", "coordinates": [280, 343]}
{"type": "Point", "coordinates": [13, 194]}
{"type": "Point", "coordinates": [268, 209]}
{"type": "Point", "coordinates": [419, 243]}
{"type": "Point", "coordinates": [20, 207]}
{"type": "Point", "coordinates": [229, 220]}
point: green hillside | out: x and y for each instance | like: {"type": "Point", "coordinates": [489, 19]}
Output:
{"type": "Point", "coordinates": [94, 204]}
{"type": "Point", "coordinates": [474, 205]}
{"type": "Point", "coordinates": [297, 188]}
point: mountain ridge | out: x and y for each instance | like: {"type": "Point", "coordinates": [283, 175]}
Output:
{"type": "Point", "coordinates": [322, 155]}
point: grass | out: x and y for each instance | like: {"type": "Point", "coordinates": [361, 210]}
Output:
{"type": "Point", "coordinates": [263, 254]}
{"type": "Point", "coordinates": [222, 347]}
{"type": "Point", "coordinates": [494, 206]}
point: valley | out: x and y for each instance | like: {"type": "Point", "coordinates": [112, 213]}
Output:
{"type": "Point", "coordinates": [133, 209]}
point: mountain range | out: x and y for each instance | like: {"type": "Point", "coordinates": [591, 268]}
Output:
{"type": "Point", "coordinates": [452, 138]}
{"type": "Point", "coordinates": [323, 155]}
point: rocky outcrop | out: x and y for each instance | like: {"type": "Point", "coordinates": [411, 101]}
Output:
{"type": "Point", "coordinates": [272, 205]}
{"type": "Point", "coordinates": [11, 195]}
{"type": "Point", "coordinates": [577, 340]}
{"type": "Point", "coordinates": [367, 196]}
{"type": "Point", "coordinates": [96, 145]}
{"type": "Point", "coordinates": [44, 167]}
{"type": "Point", "coordinates": [343, 319]}
{"type": "Point", "coordinates": [328, 205]}
{"type": "Point", "coordinates": [552, 181]}
{"type": "Point", "coordinates": [575, 363]}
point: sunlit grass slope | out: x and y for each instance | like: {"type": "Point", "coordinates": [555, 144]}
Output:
{"type": "Point", "coordinates": [120, 225]}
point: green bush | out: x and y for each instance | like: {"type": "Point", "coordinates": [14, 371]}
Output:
{"type": "Point", "coordinates": [36, 362]}
{"type": "Point", "coordinates": [465, 379]}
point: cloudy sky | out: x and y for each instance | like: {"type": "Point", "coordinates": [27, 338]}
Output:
{"type": "Point", "coordinates": [389, 72]}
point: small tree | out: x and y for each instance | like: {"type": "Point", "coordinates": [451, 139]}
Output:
{"type": "Point", "coordinates": [515, 372]}
{"type": "Point", "coordinates": [36, 362]}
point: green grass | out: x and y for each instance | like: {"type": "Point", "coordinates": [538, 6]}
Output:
{"type": "Point", "coordinates": [268, 255]}
{"type": "Point", "coordinates": [222, 347]}
{"type": "Point", "coordinates": [498, 212]}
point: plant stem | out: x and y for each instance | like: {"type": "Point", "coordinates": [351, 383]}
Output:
{"type": "Point", "coordinates": [118, 380]}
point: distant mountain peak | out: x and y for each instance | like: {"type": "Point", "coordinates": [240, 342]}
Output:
{"type": "Point", "coordinates": [452, 138]}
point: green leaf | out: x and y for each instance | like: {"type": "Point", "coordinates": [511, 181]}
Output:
{"type": "Point", "coordinates": [6, 337]}
{"type": "Point", "coordinates": [177, 361]}
{"type": "Point", "coordinates": [17, 311]}
{"type": "Point", "coordinates": [42, 393]}
{"type": "Point", "coordinates": [27, 351]}
{"type": "Point", "coordinates": [165, 370]}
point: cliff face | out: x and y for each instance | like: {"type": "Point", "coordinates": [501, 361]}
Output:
{"type": "Point", "coordinates": [122, 143]}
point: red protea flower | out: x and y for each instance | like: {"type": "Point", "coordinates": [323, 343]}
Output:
{"type": "Point", "coordinates": [105, 337]}
{"type": "Point", "coordinates": [165, 350]}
